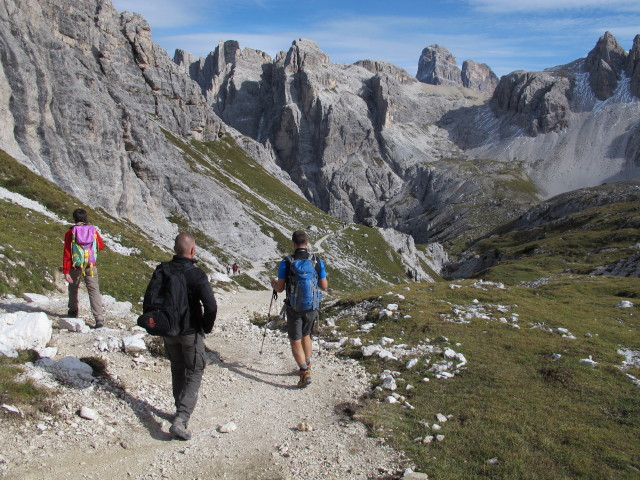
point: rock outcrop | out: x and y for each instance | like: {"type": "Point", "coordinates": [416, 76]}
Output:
{"type": "Point", "coordinates": [605, 64]}
{"type": "Point", "coordinates": [571, 126]}
{"type": "Point", "coordinates": [89, 101]}
{"type": "Point", "coordinates": [437, 66]}
{"type": "Point", "coordinates": [478, 76]}
{"type": "Point", "coordinates": [633, 67]}
{"type": "Point", "coordinates": [231, 80]}
{"type": "Point", "coordinates": [355, 138]}
{"type": "Point", "coordinates": [540, 101]}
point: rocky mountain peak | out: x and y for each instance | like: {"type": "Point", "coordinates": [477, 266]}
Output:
{"type": "Point", "coordinates": [437, 66]}
{"type": "Point", "coordinates": [303, 53]}
{"type": "Point", "coordinates": [478, 76]}
{"type": "Point", "coordinates": [605, 64]}
{"type": "Point", "coordinates": [377, 67]}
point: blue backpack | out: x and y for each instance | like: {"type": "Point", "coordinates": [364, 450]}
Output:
{"type": "Point", "coordinates": [303, 293]}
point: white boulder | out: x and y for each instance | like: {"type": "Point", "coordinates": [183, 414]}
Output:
{"type": "Point", "coordinates": [449, 353]}
{"type": "Point", "coordinates": [589, 361]}
{"type": "Point", "coordinates": [36, 298]}
{"type": "Point", "coordinates": [412, 363]}
{"type": "Point", "coordinates": [115, 307]}
{"type": "Point", "coordinates": [88, 413]}
{"type": "Point", "coordinates": [12, 409]}
{"type": "Point", "coordinates": [24, 331]}
{"type": "Point", "coordinates": [370, 350]}
{"type": "Point", "coordinates": [389, 383]}
{"type": "Point", "coordinates": [625, 304]}
{"type": "Point", "coordinates": [73, 325]}
{"type": "Point", "coordinates": [386, 355]}
{"type": "Point", "coordinates": [461, 359]}
{"type": "Point", "coordinates": [220, 277]}
{"type": "Point", "coordinates": [47, 352]}
{"type": "Point", "coordinates": [227, 427]}
{"type": "Point", "coordinates": [134, 343]}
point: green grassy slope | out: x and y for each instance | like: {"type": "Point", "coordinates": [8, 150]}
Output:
{"type": "Point", "coordinates": [31, 244]}
{"type": "Point", "coordinates": [577, 243]}
{"type": "Point", "coordinates": [542, 416]}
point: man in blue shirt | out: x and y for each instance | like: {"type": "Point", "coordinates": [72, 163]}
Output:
{"type": "Point", "coordinates": [301, 274]}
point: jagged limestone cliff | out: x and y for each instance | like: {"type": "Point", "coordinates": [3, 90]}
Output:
{"type": "Point", "coordinates": [361, 140]}
{"type": "Point", "coordinates": [88, 101]}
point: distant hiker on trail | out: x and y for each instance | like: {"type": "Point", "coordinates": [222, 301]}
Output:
{"type": "Point", "coordinates": [228, 269]}
{"type": "Point", "coordinates": [301, 274]}
{"type": "Point", "coordinates": [235, 268]}
{"type": "Point", "coordinates": [186, 350]}
{"type": "Point", "coordinates": [81, 245]}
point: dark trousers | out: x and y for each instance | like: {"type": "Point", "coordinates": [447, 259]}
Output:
{"type": "Point", "coordinates": [187, 356]}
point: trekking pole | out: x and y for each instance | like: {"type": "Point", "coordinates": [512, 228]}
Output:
{"type": "Point", "coordinates": [318, 329]}
{"type": "Point", "coordinates": [264, 334]}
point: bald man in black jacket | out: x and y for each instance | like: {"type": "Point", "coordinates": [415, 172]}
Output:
{"type": "Point", "coordinates": [186, 351]}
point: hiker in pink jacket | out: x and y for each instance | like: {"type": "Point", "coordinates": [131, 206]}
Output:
{"type": "Point", "coordinates": [81, 245]}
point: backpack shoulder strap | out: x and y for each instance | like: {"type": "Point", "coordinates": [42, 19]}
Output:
{"type": "Point", "coordinates": [288, 261]}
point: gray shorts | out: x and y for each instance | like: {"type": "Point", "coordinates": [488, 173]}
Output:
{"type": "Point", "coordinates": [300, 324]}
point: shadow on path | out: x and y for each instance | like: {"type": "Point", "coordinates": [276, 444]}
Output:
{"type": "Point", "coordinates": [145, 412]}
{"type": "Point", "coordinates": [248, 372]}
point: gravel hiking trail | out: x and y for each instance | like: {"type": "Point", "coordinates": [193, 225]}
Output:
{"type": "Point", "coordinates": [281, 432]}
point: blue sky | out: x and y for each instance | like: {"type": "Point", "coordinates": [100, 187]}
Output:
{"type": "Point", "coordinates": [507, 35]}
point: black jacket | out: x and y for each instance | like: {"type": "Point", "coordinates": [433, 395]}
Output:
{"type": "Point", "coordinates": [200, 295]}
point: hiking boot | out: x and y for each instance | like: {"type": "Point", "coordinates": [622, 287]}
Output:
{"type": "Point", "coordinates": [72, 314]}
{"type": "Point", "coordinates": [305, 378]}
{"type": "Point", "coordinates": [99, 324]}
{"type": "Point", "coordinates": [179, 429]}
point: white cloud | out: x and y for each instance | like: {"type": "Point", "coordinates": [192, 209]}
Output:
{"type": "Point", "coordinates": [511, 6]}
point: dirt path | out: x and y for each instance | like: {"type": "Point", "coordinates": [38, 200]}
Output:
{"type": "Point", "coordinates": [130, 438]}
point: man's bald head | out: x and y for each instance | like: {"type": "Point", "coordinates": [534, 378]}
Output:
{"type": "Point", "coordinates": [185, 245]}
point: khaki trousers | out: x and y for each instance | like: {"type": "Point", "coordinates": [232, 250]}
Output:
{"type": "Point", "coordinates": [95, 299]}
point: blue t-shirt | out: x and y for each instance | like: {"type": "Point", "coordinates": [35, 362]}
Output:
{"type": "Point", "coordinates": [282, 269]}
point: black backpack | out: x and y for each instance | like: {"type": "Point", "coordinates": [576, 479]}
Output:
{"type": "Point", "coordinates": [166, 301]}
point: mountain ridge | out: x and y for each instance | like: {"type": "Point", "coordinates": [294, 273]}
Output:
{"type": "Point", "coordinates": [117, 123]}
